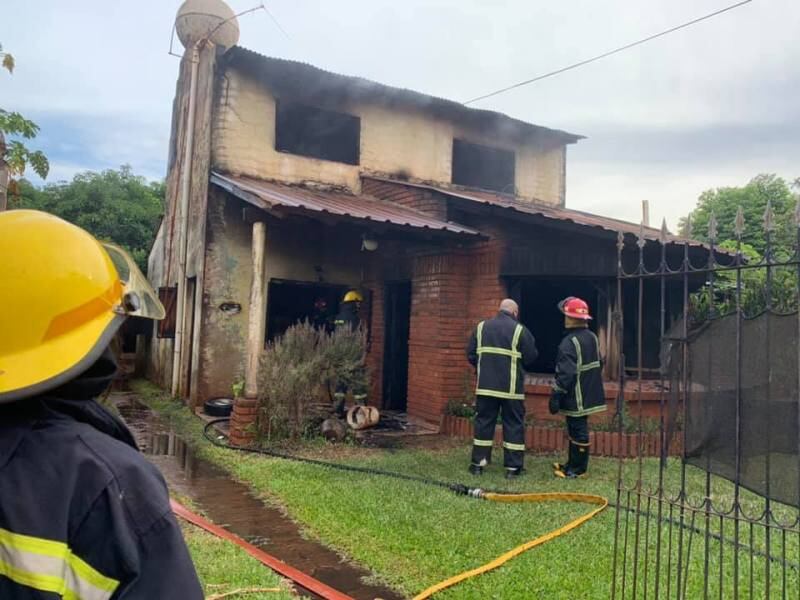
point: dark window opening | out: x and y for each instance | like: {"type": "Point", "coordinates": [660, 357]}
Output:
{"type": "Point", "coordinates": [169, 298]}
{"type": "Point", "coordinates": [538, 307]}
{"type": "Point", "coordinates": [318, 133]}
{"type": "Point", "coordinates": [483, 167]}
{"type": "Point", "coordinates": [292, 302]}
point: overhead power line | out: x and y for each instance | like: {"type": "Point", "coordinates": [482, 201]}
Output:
{"type": "Point", "coordinates": [610, 52]}
{"type": "Point", "coordinates": [277, 23]}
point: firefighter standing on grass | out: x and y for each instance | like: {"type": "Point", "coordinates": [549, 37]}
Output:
{"type": "Point", "coordinates": [348, 319]}
{"type": "Point", "coordinates": [501, 349]}
{"type": "Point", "coordinates": [82, 513]}
{"type": "Point", "coordinates": [578, 388]}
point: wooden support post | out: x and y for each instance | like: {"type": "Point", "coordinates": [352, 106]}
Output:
{"type": "Point", "coordinates": [257, 316]}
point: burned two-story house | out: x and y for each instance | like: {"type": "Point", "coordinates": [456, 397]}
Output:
{"type": "Point", "coordinates": [288, 184]}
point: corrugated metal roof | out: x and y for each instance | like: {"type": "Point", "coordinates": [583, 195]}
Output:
{"type": "Point", "coordinates": [305, 81]}
{"type": "Point", "coordinates": [266, 194]}
{"type": "Point", "coordinates": [548, 211]}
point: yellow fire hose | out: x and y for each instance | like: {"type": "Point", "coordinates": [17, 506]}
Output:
{"type": "Point", "coordinates": [598, 501]}
{"type": "Point", "coordinates": [592, 499]}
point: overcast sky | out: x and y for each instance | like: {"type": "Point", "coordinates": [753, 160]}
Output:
{"type": "Point", "coordinates": [708, 106]}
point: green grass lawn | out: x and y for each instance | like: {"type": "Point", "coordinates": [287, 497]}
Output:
{"type": "Point", "coordinates": [413, 536]}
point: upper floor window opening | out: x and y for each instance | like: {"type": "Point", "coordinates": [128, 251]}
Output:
{"type": "Point", "coordinates": [475, 165]}
{"type": "Point", "coordinates": [316, 132]}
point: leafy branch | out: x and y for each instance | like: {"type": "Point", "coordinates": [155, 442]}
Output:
{"type": "Point", "coordinates": [13, 123]}
{"type": "Point", "coordinates": [18, 157]}
{"type": "Point", "coordinates": [14, 155]}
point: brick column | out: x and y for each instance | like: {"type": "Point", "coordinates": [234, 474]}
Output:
{"type": "Point", "coordinates": [437, 338]}
{"type": "Point", "coordinates": [242, 421]}
{"type": "Point", "coordinates": [486, 290]}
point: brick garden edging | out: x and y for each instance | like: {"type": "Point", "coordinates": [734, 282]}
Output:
{"type": "Point", "coordinates": [549, 439]}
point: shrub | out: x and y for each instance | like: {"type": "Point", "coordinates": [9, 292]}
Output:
{"type": "Point", "coordinates": [297, 372]}
{"type": "Point", "coordinates": [344, 352]}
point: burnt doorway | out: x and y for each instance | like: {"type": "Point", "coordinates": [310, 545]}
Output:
{"type": "Point", "coordinates": [293, 302]}
{"type": "Point", "coordinates": [397, 316]}
{"type": "Point", "coordinates": [538, 302]}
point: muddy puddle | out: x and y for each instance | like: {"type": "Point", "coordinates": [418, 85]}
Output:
{"type": "Point", "coordinates": [231, 505]}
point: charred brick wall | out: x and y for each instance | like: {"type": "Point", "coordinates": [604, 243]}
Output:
{"type": "Point", "coordinates": [451, 291]}
{"type": "Point", "coordinates": [436, 341]}
{"type": "Point", "coordinates": [420, 199]}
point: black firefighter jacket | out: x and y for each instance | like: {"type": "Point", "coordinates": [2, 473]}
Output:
{"type": "Point", "coordinates": [502, 349]}
{"type": "Point", "coordinates": [578, 387]}
{"type": "Point", "coordinates": [347, 316]}
{"type": "Point", "coordinates": [82, 513]}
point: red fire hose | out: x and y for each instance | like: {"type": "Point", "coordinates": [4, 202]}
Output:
{"type": "Point", "coordinates": [301, 579]}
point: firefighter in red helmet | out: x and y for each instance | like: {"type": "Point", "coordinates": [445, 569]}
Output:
{"type": "Point", "coordinates": [578, 387]}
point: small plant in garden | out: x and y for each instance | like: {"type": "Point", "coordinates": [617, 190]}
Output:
{"type": "Point", "coordinates": [237, 388]}
{"type": "Point", "coordinates": [459, 408]}
{"type": "Point", "coordinates": [463, 407]}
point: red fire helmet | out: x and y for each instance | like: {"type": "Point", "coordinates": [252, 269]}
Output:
{"type": "Point", "coordinates": [575, 308]}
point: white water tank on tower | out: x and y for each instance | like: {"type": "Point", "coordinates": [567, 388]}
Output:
{"type": "Point", "coordinates": [211, 20]}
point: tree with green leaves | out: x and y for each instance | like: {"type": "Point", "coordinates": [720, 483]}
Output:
{"type": "Point", "coordinates": [753, 199]}
{"type": "Point", "coordinates": [114, 205]}
{"type": "Point", "coordinates": [724, 202]}
{"type": "Point", "coordinates": [14, 154]}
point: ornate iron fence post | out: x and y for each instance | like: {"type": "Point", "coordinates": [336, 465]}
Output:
{"type": "Point", "coordinates": [719, 521]}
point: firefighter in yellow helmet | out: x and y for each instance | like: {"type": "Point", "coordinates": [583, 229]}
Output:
{"type": "Point", "coordinates": [349, 318]}
{"type": "Point", "coordinates": [82, 513]}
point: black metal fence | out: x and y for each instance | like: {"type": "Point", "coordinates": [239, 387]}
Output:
{"type": "Point", "coordinates": [723, 520]}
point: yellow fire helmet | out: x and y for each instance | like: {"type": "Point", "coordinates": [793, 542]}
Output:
{"type": "Point", "coordinates": [63, 296]}
{"type": "Point", "coordinates": [353, 296]}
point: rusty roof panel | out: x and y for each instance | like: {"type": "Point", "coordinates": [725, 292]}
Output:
{"type": "Point", "coordinates": [266, 194]}
{"type": "Point", "coordinates": [549, 211]}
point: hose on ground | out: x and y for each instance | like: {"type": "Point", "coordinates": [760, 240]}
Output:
{"type": "Point", "coordinates": [458, 488]}
{"type": "Point", "coordinates": [599, 502]}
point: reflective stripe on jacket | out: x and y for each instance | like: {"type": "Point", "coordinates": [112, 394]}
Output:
{"type": "Point", "coordinates": [83, 515]}
{"type": "Point", "coordinates": [502, 350]}
{"type": "Point", "coordinates": [347, 316]}
{"type": "Point", "coordinates": [578, 382]}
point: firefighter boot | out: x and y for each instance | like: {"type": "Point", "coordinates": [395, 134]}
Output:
{"type": "Point", "coordinates": [581, 464]}
{"type": "Point", "coordinates": [560, 468]}
{"type": "Point", "coordinates": [477, 469]}
{"type": "Point", "coordinates": [576, 464]}
{"type": "Point", "coordinates": [338, 404]}
{"type": "Point", "coordinates": [514, 473]}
